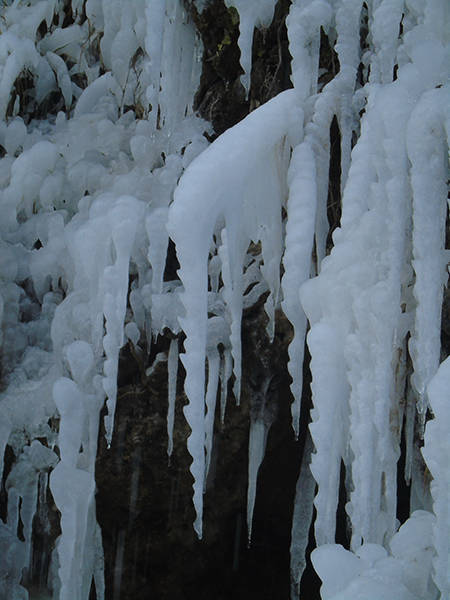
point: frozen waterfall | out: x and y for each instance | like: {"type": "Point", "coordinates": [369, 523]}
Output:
{"type": "Point", "coordinates": [93, 198]}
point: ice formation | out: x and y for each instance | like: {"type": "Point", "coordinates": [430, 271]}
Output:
{"type": "Point", "coordinates": [89, 200]}
{"type": "Point", "coordinates": [251, 15]}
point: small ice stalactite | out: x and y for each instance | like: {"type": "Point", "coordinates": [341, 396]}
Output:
{"type": "Point", "coordinates": [302, 518]}
{"type": "Point", "coordinates": [261, 418]}
{"type": "Point", "coordinates": [172, 368]}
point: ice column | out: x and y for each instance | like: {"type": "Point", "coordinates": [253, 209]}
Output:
{"type": "Point", "coordinates": [428, 153]}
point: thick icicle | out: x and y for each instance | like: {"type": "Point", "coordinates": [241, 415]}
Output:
{"type": "Point", "coordinates": [330, 397]}
{"type": "Point", "coordinates": [242, 160]}
{"type": "Point", "coordinates": [297, 261]}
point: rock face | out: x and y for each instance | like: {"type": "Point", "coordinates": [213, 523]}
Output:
{"type": "Point", "coordinates": [144, 500]}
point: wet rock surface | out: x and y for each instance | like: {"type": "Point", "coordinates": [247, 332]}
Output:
{"type": "Point", "coordinates": [144, 501]}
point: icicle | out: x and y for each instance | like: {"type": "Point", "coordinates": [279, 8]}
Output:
{"type": "Point", "coordinates": [305, 19]}
{"type": "Point", "coordinates": [256, 450]}
{"type": "Point", "coordinates": [172, 368]}
{"type": "Point", "coordinates": [261, 418]}
{"type": "Point", "coordinates": [251, 15]}
{"type": "Point", "coordinates": [297, 261]}
{"type": "Point", "coordinates": [330, 396]}
{"type": "Point", "coordinates": [123, 218]}
{"type": "Point", "coordinates": [301, 519]}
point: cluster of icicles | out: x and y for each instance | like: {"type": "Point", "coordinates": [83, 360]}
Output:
{"type": "Point", "coordinates": [88, 202]}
